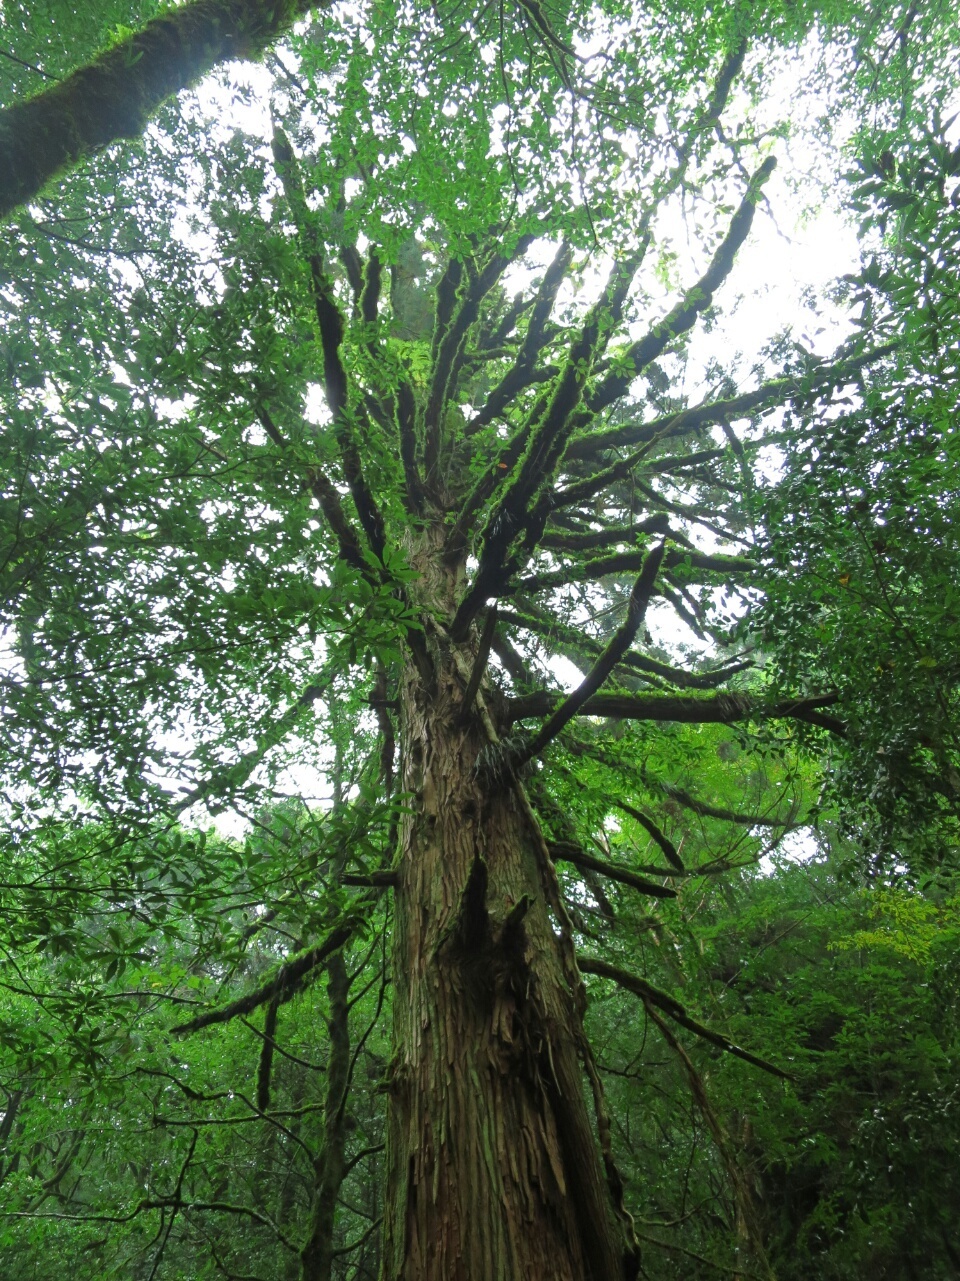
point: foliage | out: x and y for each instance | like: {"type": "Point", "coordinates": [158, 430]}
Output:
{"type": "Point", "coordinates": [863, 522]}
{"type": "Point", "coordinates": [850, 1162]}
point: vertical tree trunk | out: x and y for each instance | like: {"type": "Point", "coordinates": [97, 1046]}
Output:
{"type": "Point", "coordinates": [316, 1256]}
{"type": "Point", "coordinates": [493, 1171]}
{"type": "Point", "coordinates": [330, 1164]}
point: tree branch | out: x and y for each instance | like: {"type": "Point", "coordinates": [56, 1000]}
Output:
{"type": "Point", "coordinates": [696, 300]}
{"type": "Point", "coordinates": [283, 986]}
{"type": "Point", "coordinates": [630, 562]}
{"type": "Point", "coordinates": [716, 709]}
{"type": "Point", "coordinates": [670, 851]}
{"type": "Point", "coordinates": [768, 394]}
{"type": "Point", "coordinates": [480, 662]}
{"type": "Point", "coordinates": [518, 377]}
{"type": "Point", "coordinates": [566, 852]}
{"type": "Point", "coordinates": [449, 353]}
{"type": "Point", "coordinates": [115, 95]}
{"type": "Point", "coordinates": [619, 644]}
{"type": "Point", "coordinates": [674, 1010]}
{"type": "Point", "coordinates": [575, 640]}
{"type": "Point", "coordinates": [553, 540]}
{"type": "Point", "coordinates": [331, 326]}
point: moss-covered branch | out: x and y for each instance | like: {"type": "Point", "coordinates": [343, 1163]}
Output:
{"type": "Point", "coordinates": [115, 95]}
{"type": "Point", "coordinates": [566, 852]}
{"type": "Point", "coordinates": [285, 983]}
{"type": "Point", "coordinates": [573, 640]}
{"type": "Point", "coordinates": [776, 392]}
{"type": "Point", "coordinates": [620, 642]}
{"type": "Point", "coordinates": [629, 562]}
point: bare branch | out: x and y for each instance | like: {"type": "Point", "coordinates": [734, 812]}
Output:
{"type": "Point", "coordinates": [574, 640]}
{"type": "Point", "coordinates": [674, 1010]}
{"type": "Point", "coordinates": [691, 709]}
{"type": "Point", "coordinates": [566, 852]}
{"type": "Point", "coordinates": [670, 851]}
{"type": "Point", "coordinates": [619, 644]}
{"type": "Point", "coordinates": [331, 326]}
{"type": "Point", "coordinates": [449, 354]}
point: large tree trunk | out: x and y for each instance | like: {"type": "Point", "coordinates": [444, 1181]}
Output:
{"type": "Point", "coordinates": [493, 1170]}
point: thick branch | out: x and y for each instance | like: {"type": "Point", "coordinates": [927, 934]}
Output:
{"type": "Point", "coordinates": [548, 438]}
{"type": "Point", "coordinates": [331, 326]}
{"type": "Point", "coordinates": [115, 95]}
{"type": "Point", "coordinates": [265, 1066]}
{"type": "Point", "coordinates": [591, 539]}
{"type": "Point", "coordinates": [348, 540]}
{"type": "Point", "coordinates": [512, 661]}
{"type": "Point", "coordinates": [565, 852]}
{"type": "Point", "coordinates": [518, 377]}
{"type": "Point", "coordinates": [284, 984]}
{"type": "Point", "coordinates": [715, 811]}
{"type": "Point", "coordinates": [691, 709]}
{"type": "Point", "coordinates": [574, 640]}
{"type": "Point", "coordinates": [406, 409]}
{"type": "Point", "coordinates": [579, 748]}
{"type": "Point", "coordinates": [480, 662]}
{"type": "Point", "coordinates": [450, 350]}
{"type": "Point", "coordinates": [545, 435]}
{"type": "Point", "coordinates": [619, 644]}
{"type": "Point", "coordinates": [630, 562]}
{"type": "Point", "coordinates": [696, 300]}
{"type": "Point", "coordinates": [775, 392]}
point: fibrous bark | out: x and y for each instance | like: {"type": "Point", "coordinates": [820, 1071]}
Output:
{"type": "Point", "coordinates": [493, 1170]}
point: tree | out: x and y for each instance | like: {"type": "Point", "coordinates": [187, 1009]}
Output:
{"type": "Point", "coordinates": [204, 571]}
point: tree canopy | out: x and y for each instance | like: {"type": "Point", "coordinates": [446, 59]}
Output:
{"type": "Point", "coordinates": [480, 767]}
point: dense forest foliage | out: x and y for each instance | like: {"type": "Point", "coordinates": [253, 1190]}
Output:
{"type": "Point", "coordinates": [480, 761]}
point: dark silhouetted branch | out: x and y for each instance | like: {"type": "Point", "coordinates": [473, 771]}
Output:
{"type": "Point", "coordinates": [670, 851]}
{"type": "Point", "coordinates": [480, 662]}
{"type": "Point", "coordinates": [691, 709]}
{"type": "Point", "coordinates": [775, 392]}
{"type": "Point", "coordinates": [566, 852]}
{"type": "Point", "coordinates": [674, 1010]}
{"type": "Point", "coordinates": [619, 644]}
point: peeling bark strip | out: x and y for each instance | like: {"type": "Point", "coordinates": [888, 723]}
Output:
{"type": "Point", "coordinates": [115, 95]}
